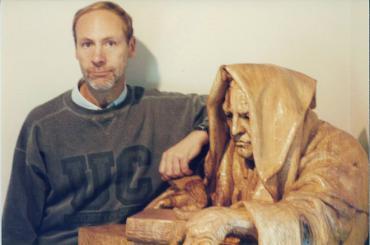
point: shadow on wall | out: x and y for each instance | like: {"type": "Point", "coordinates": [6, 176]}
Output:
{"type": "Point", "coordinates": [364, 140]}
{"type": "Point", "coordinates": [142, 70]}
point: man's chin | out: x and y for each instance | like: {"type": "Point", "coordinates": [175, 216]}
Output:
{"type": "Point", "coordinates": [101, 86]}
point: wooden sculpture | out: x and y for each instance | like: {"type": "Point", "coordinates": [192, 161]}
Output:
{"type": "Point", "coordinates": [274, 171]}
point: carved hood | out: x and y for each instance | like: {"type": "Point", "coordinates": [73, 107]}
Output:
{"type": "Point", "coordinates": [278, 100]}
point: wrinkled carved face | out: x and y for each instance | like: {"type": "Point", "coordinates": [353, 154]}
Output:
{"type": "Point", "coordinates": [237, 113]}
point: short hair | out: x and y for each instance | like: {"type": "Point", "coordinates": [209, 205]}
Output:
{"type": "Point", "coordinates": [112, 7]}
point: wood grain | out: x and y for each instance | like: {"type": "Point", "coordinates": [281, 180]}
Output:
{"type": "Point", "coordinates": [113, 234]}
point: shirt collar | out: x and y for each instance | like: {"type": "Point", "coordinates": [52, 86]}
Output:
{"type": "Point", "coordinates": [83, 102]}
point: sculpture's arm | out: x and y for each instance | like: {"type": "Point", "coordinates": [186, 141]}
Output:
{"type": "Point", "coordinates": [211, 225]}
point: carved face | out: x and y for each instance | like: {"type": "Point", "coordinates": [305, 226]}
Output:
{"type": "Point", "coordinates": [237, 114]}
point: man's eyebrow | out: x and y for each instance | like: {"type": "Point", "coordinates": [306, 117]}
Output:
{"type": "Point", "coordinates": [83, 39]}
{"type": "Point", "coordinates": [109, 38]}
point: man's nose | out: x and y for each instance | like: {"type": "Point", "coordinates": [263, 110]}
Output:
{"type": "Point", "coordinates": [98, 58]}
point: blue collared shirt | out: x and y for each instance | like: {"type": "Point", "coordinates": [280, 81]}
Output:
{"type": "Point", "coordinates": [83, 102]}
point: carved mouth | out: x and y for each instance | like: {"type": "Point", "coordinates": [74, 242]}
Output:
{"type": "Point", "coordinates": [242, 144]}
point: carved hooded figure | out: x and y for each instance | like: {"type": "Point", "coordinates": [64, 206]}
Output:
{"type": "Point", "coordinates": [303, 180]}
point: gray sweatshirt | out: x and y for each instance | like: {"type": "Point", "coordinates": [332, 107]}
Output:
{"type": "Point", "coordinates": [76, 167]}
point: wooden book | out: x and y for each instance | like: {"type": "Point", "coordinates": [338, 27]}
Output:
{"type": "Point", "coordinates": [155, 226]}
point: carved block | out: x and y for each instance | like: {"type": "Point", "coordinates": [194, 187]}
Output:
{"type": "Point", "coordinates": [155, 226]}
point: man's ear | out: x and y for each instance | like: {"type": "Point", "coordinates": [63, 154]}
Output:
{"type": "Point", "coordinates": [132, 47]}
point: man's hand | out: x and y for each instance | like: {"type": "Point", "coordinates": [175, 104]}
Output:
{"type": "Point", "coordinates": [175, 161]}
{"type": "Point", "coordinates": [211, 225]}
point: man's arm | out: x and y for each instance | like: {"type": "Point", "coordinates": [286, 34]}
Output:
{"type": "Point", "coordinates": [175, 161]}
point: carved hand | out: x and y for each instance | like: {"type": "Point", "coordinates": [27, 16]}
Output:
{"type": "Point", "coordinates": [187, 193]}
{"type": "Point", "coordinates": [211, 225]}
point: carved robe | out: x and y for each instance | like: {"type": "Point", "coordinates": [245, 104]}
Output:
{"type": "Point", "coordinates": [309, 180]}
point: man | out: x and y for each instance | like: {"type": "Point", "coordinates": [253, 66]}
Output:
{"type": "Point", "coordinates": [91, 155]}
{"type": "Point", "coordinates": [290, 178]}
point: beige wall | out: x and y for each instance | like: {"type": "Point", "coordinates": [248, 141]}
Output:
{"type": "Point", "coordinates": [181, 45]}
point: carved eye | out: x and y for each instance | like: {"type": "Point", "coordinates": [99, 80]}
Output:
{"type": "Point", "coordinates": [244, 115]}
{"type": "Point", "coordinates": [229, 115]}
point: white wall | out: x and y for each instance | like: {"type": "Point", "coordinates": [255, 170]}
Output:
{"type": "Point", "coordinates": [181, 45]}
{"type": "Point", "coordinates": [359, 71]}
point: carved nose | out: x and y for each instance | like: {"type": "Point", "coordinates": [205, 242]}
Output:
{"type": "Point", "coordinates": [236, 129]}
{"type": "Point", "coordinates": [236, 137]}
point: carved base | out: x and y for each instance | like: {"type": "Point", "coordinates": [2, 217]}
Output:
{"type": "Point", "coordinates": [151, 226]}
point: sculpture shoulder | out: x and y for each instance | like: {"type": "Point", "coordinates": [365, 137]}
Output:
{"type": "Point", "coordinates": [336, 142]}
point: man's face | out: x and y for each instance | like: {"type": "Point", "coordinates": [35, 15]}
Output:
{"type": "Point", "coordinates": [102, 49]}
{"type": "Point", "coordinates": [237, 114]}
